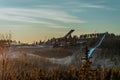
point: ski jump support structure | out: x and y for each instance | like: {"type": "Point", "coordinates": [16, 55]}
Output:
{"type": "Point", "coordinates": [56, 42]}
{"type": "Point", "coordinates": [91, 51]}
{"type": "Point", "coordinates": [68, 35]}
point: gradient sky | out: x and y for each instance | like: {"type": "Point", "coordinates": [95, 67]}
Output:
{"type": "Point", "coordinates": [30, 20]}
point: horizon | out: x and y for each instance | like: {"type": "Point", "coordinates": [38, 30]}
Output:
{"type": "Point", "coordinates": [34, 20]}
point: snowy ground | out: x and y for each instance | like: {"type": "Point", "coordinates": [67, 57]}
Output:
{"type": "Point", "coordinates": [62, 61]}
{"type": "Point", "coordinates": [68, 60]}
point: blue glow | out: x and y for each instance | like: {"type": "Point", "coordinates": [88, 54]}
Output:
{"type": "Point", "coordinates": [93, 49]}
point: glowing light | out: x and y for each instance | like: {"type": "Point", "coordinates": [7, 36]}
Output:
{"type": "Point", "coordinates": [93, 49]}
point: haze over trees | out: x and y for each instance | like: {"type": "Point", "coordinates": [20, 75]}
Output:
{"type": "Point", "coordinates": [29, 68]}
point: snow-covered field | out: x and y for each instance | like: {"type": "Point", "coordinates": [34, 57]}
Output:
{"type": "Point", "coordinates": [17, 53]}
{"type": "Point", "coordinates": [62, 61]}
{"type": "Point", "coordinates": [66, 60]}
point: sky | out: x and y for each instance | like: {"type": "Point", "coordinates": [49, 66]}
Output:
{"type": "Point", "coordinates": [33, 20]}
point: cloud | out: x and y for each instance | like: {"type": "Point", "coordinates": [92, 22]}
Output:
{"type": "Point", "coordinates": [97, 6]}
{"type": "Point", "coordinates": [88, 4]}
{"type": "Point", "coordinates": [92, 6]}
{"type": "Point", "coordinates": [17, 13]}
{"type": "Point", "coordinates": [55, 16]}
{"type": "Point", "coordinates": [15, 26]}
{"type": "Point", "coordinates": [38, 16]}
